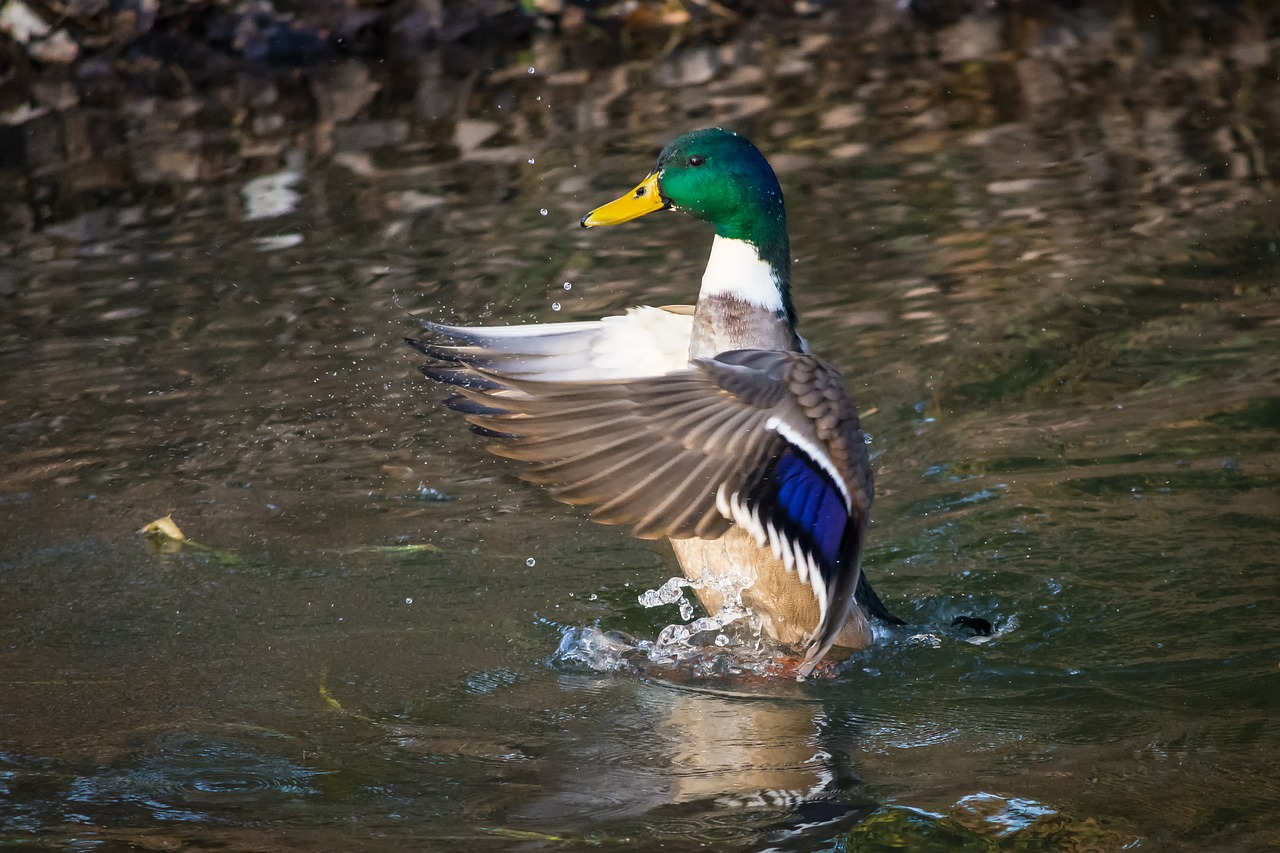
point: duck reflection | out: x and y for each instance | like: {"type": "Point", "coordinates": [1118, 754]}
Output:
{"type": "Point", "coordinates": [763, 763]}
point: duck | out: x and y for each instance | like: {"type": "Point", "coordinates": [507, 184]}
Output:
{"type": "Point", "coordinates": [712, 425]}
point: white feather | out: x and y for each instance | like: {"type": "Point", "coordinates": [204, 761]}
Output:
{"type": "Point", "coordinates": [802, 562]}
{"type": "Point", "coordinates": [814, 452]}
{"type": "Point", "coordinates": [757, 528]}
{"type": "Point", "coordinates": [490, 336]}
{"type": "Point", "coordinates": [738, 513]}
{"type": "Point", "coordinates": [788, 556]}
{"type": "Point", "coordinates": [792, 554]}
{"type": "Point", "coordinates": [819, 590]}
{"type": "Point", "coordinates": [736, 269]}
{"type": "Point", "coordinates": [642, 342]}
{"type": "Point", "coordinates": [722, 502]}
{"type": "Point", "coordinates": [748, 519]}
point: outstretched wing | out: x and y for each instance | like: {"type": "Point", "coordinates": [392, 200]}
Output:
{"type": "Point", "coordinates": [767, 440]}
{"type": "Point", "coordinates": [644, 341]}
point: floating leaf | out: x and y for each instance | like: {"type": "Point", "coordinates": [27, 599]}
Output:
{"type": "Point", "coordinates": [164, 536]}
{"type": "Point", "coordinates": [164, 527]}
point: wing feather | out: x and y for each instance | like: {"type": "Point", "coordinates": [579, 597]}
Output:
{"type": "Point", "coordinates": [767, 440]}
{"type": "Point", "coordinates": [644, 341]}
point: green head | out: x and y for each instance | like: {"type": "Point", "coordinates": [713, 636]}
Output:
{"type": "Point", "coordinates": [718, 176]}
{"type": "Point", "coordinates": [712, 174]}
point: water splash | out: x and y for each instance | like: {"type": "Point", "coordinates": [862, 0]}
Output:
{"type": "Point", "coordinates": [727, 643]}
{"type": "Point", "coordinates": [599, 650]}
{"type": "Point", "coordinates": [669, 593]}
{"type": "Point", "coordinates": [677, 652]}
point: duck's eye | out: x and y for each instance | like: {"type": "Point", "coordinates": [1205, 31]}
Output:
{"type": "Point", "coordinates": [697, 160]}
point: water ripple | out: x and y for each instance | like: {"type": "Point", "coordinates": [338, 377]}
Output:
{"type": "Point", "coordinates": [189, 777]}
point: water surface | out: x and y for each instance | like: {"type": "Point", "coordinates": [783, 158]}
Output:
{"type": "Point", "coordinates": [1055, 304]}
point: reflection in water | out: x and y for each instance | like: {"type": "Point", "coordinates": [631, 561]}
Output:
{"type": "Point", "coordinates": [1041, 244]}
{"type": "Point", "coordinates": [699, 765]}
{"type": "Point", "coordinates": [269, 196]}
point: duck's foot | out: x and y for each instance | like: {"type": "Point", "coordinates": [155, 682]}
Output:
{"type": "Point", "coordinates": [789, 666]}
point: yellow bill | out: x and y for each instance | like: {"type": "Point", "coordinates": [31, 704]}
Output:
{"type": "Point", "coordinates": [645, 198]}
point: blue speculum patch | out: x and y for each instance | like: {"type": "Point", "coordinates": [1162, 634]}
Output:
{"type": "Point", "coordinates": [812, 503]}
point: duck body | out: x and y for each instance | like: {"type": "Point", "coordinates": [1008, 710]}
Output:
{"type": "Point", "coordinates": [710, 425]}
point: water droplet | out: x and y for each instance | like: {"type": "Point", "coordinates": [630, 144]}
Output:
{"type": "Point", "coordinates": [543, 211]}
{"type": "Point", "coordinates": [669, 593]}
{"type": "Point", "coordinates": [592, 597]}
{"type": "Point", "coordinates": [672, 635]}
{"type": "Point", "coordinates": [531, 562]}
{"type": "Point", "coordinates": [555, 306]}
{"type": "Point", "coordinates": [568, 285]}
{"type": "Point", "coordinates": [530, 161]}
{"type": "Point", "coordinates": [531, 69]}
{"type": "Point", "coordinates": [408, 601]}
{"type": "Point", "coordinates": [539, 98]}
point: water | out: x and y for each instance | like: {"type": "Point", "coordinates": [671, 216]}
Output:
{"type": "Point", "coordinates": [1058, 312]}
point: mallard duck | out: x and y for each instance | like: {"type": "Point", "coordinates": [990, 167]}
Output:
{"type": "Point", "coordinates": [711, 425]}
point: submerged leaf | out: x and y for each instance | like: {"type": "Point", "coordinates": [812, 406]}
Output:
{"type": "Point", "coordinates": [407, 548]}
